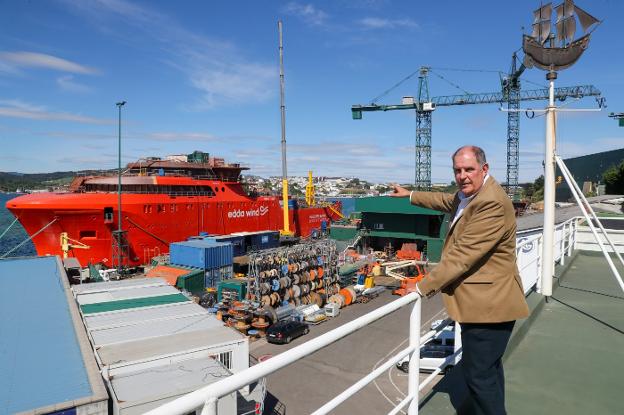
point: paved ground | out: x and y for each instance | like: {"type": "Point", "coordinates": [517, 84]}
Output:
{"type": "Point", "coordinates": [307, 384]}
{"type": "Point", "coordinates": [563, 213]}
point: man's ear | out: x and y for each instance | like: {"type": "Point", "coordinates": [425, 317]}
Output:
{"type": "Point", "coordinates": [486, 167]}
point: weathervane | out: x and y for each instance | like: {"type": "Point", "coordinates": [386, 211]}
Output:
{"type": "Point", "coordinates": [553, 52]}
{"type": "Point", "coordinates": [562, 51]}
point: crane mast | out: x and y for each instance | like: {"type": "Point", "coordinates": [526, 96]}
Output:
{"type": "Point", "coordinates": [511, 86]}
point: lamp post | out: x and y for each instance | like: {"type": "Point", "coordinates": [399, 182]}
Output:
{"type": "Point", "coordinates": [119, 231]}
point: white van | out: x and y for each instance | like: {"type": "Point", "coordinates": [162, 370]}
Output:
{"type": "Point", "coordinates": [435, 353]}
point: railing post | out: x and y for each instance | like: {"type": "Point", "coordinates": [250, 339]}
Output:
{"type": "Point", "coordinates": [210, 407]}
{"type": "Point", "coordinates": [571, 237]}
{"type": "Point", "coordinates": [563, 238]}
{"type": "Point", "coordinates": [576, 225]}
{"type": "Point", "coordinates": [414, 362]}
{"type": "Point", "coordinates": [539, 262]}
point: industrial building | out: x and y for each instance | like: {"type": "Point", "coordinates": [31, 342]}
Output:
{"type": "Point", "coordinates": [587, 171]}
{"type": "Point", "coordinates": [386, 223]}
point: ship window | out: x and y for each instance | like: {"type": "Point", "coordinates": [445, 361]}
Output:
{"type": "Point", "coordinates": [223, 189]}
{"type": "Point", "coordinates": [108, 215]}
{"type": "Point", "coordinates": [87, 234]}
{"type": "Point", "coordinates": [161, 208]}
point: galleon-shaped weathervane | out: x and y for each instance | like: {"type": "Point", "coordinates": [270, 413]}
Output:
{"type": "Point", "coordinates": [557, 50]}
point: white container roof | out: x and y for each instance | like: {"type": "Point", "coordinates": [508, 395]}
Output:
{"type": "Point", "coordinates": [147, 349]}
{"type": "Point", "coordinates": [152, 329]}
{"type": "Point", "coordinates": [144, 389]}
{"type": "Point", "coordinates": [131, 316]}
{"type": "Point", "coordinates": [92, 287]}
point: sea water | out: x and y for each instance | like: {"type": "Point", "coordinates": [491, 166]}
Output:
{"type": "Point", "coordinates": [16, 234]}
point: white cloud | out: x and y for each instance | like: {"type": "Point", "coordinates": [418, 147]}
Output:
{"type": "Point", "coordinates": [216, 68]}
{"type": "Point", "coordinates": [19, 109]}
{"type": "Point", "coordinates": [307, 12]}
{"type": "Point", "coordinates": [380, 23]}
{"type": "Point", "coordinates": [39, 60]}
{"type": "Point", "coordinates": [67, 83]}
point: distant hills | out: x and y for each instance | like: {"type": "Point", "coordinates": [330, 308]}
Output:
{"type": "Point", "coordinates": [12, 181]}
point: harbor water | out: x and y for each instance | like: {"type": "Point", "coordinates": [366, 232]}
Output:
{"type": "Point", "coordinates": [16, 234]}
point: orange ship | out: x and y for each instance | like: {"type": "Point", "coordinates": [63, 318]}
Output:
{"type": "Point", "coordinates": [163, 201]}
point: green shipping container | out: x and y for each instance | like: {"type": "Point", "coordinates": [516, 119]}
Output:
{"type": "Point", "coordinates": [192, 282]}
{"type": "Point", "coordinates": [237, 286]}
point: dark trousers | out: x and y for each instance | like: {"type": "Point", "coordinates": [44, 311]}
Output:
{"type": "Point", "coordinates": [483, 346]}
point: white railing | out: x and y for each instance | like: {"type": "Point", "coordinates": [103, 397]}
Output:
{"type": "Point", "coordinates": [206, 398]}
{"type": "Point", "coordinates": [528, 253]}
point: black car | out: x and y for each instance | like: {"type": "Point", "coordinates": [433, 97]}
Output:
{"type": "Point", "coordinates": [285, 331]}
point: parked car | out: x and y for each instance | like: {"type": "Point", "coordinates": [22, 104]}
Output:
{"type": "Point", "coordinates": [433, 354]}
{"type": "Point", "coordinates": [285, 331]}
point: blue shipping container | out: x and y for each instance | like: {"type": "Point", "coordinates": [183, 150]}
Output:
{"type": "Point", "coordinates": [265, 240]}
{"type": "Point", "coordinates": [238, 243]}
{"type": "Point", "coordinates": [201, 254]}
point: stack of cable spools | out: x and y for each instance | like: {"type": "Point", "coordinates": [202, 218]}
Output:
{"type": "Point", "coordinates": [297, 274]}
{"type": "Point", "coordinates": [344, 297]}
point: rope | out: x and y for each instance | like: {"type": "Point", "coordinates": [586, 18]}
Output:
{"type": "Point", "coordinates": [451, 83]}
{"type": "Point", "coordinates": [146, 231]}
{"type": "Point", "coordinates": [30, 237]}
{"type": "Point", "coordinates": [387, 91]}
{"type": "Point", "coordinates": [535, 83]}
{"type": "Point", "coordinates": [466, 70]}
{"type": "Point", "coordinates": [7, 229]}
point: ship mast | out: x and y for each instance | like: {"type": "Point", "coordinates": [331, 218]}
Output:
{"type": "Point", "coordinates": [286, 229]}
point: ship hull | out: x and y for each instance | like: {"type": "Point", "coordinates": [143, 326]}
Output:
{"type": "Point", "coordinates": [151, 222]}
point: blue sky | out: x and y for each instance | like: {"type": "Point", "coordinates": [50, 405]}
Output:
{"type": "Point", "coordinates": [204, 75]}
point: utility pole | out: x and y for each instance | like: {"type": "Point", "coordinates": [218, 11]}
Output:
{"type": "Point", "coordinates": [119, 225]}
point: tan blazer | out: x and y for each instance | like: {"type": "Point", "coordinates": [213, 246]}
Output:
{"type": "Point", "coordinates": [477, 273]}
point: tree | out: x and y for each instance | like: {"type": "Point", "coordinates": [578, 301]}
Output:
{"type": "Point", "coordinates": [535, 191]}
{"type": "Point", "coordinates": [613, 179]}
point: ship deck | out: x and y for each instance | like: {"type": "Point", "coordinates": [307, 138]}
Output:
{"type": "Point", "coordinates": [569, 356]}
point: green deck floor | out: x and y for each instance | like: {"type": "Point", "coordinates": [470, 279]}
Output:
{"type": "Point", "coordinates": [571, 359]}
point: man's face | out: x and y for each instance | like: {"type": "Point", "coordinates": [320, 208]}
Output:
{"type": "Point", "coordinates": [469, 175]}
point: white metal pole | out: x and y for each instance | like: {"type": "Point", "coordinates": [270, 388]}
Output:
{"type": "Point", "coordinates": [549, 192]}
{"type": "Point", "coordinates": [414, 363]}
{"type": "Point", "coordinates": [582, 197]}
{"type": "Point", "coordinates": [591, 226]}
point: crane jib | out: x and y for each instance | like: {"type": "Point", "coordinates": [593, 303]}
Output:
{"type": "Point", "coordinates": [561, 93]}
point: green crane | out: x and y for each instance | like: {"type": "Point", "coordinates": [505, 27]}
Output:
{"type": "Point", "coordinates": [510, 93]}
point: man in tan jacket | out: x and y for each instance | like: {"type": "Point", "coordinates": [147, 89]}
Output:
{"type": "Point", "coordinates": [477, 273]}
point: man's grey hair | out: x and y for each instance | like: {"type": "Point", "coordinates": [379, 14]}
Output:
{"type": "Point", "coordinates": [477, 151]}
